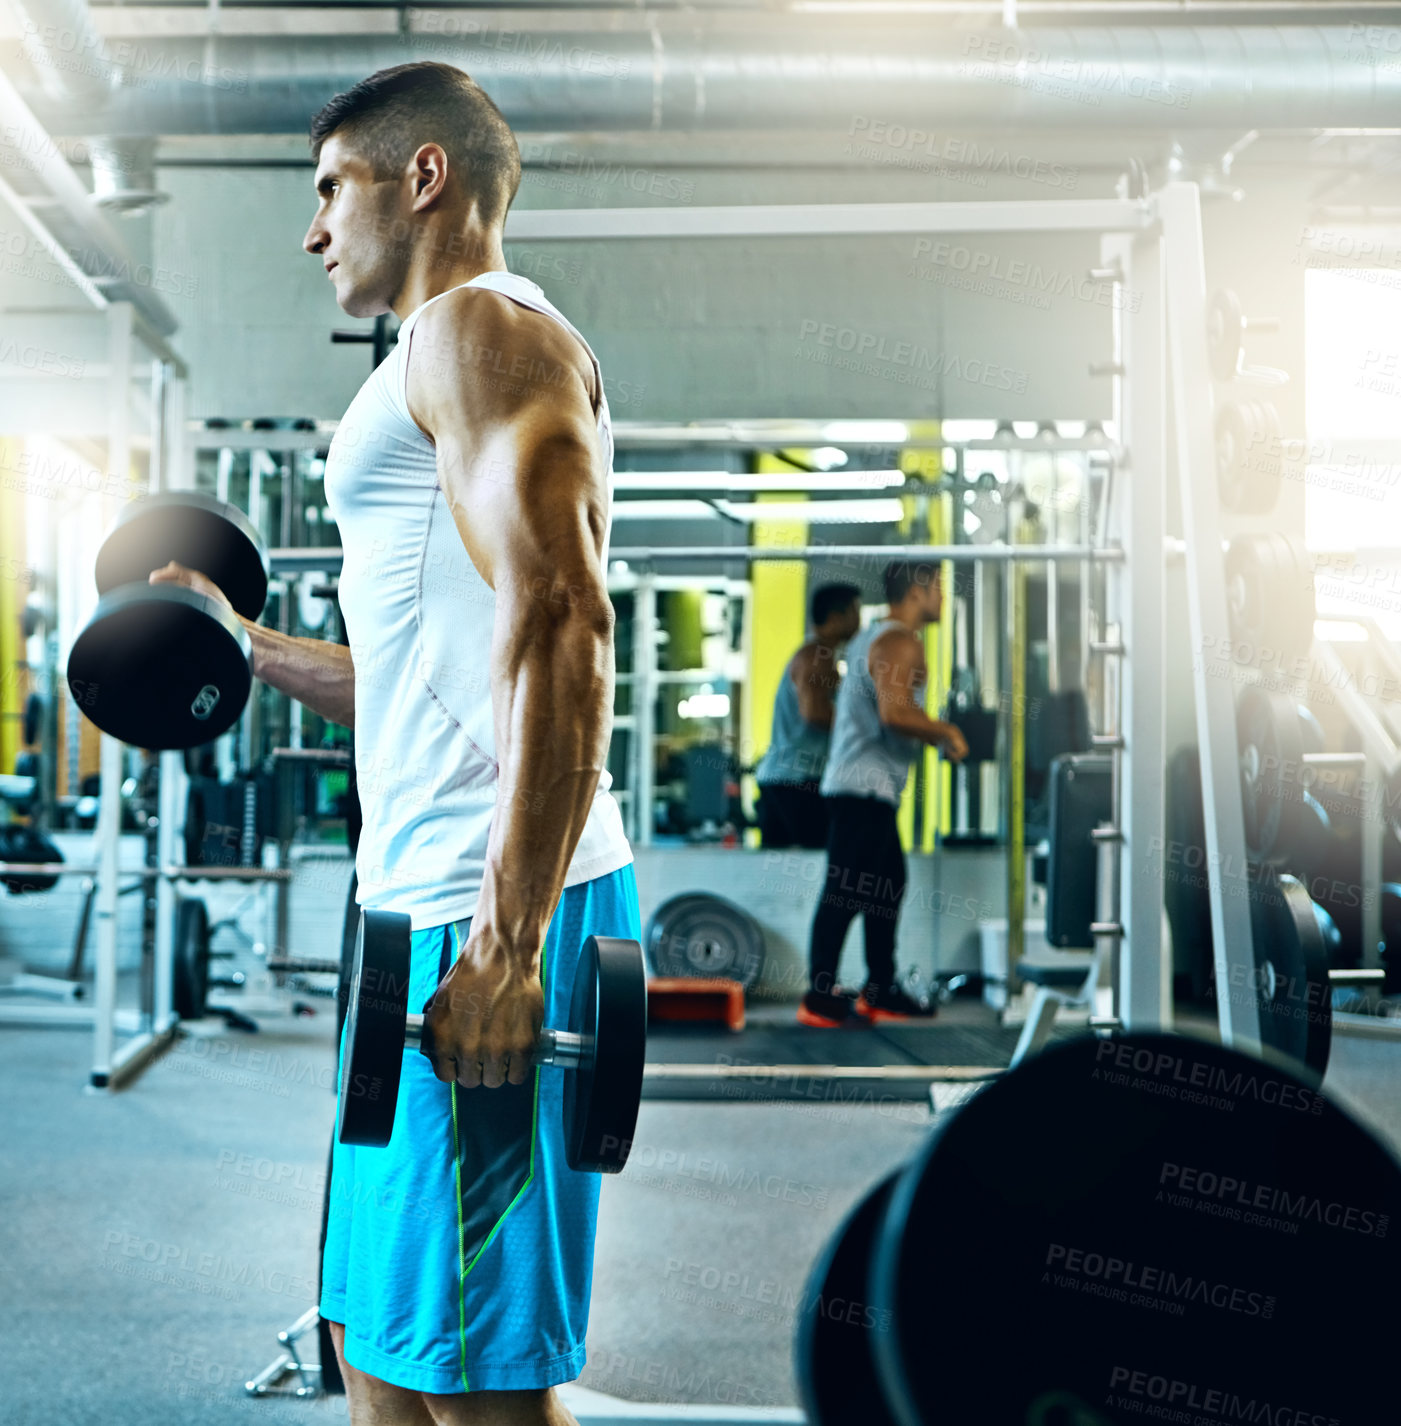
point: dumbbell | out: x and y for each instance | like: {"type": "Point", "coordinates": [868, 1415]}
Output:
{"type": "Point", "coordinates": [603, 1047]}
{"type": "Point", "coordinates": [159, 665]}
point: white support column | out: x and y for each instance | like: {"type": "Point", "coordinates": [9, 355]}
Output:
{"type": "Point", "coordinates": [158, 472]}
{"type": "Point", "coordinates": [107, 838]}
{"type": "Point", "coordinates": [180, 454]}
{"type": "Point", "coordinates": [109, 820]}
{"type": "Point", "coordinates": [644, 704]}
{"type": "Point", "coordinates": [1179, 206]}
{"type": "Point", "coordinates": [1139, 522]}
{"type": "Point", "coordinates": [170, 831]}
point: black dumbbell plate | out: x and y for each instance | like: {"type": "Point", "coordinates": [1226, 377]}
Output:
{"type": "Point", "coordinates": [601, 1096]}
{"type": "Point", "coordinates": [836, 1371]}
{"type": "Point", "coordinates": [160, 666]}
{"type": "Point", "coordinates": [192, 529]}
{"type": "Point", "coordinates": [376, 1018]}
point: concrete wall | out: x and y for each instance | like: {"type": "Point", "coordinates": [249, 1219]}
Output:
{"type": "Point", "coordinates": [684, 329]}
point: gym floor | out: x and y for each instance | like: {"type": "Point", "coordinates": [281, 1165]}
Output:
{"type": "Point", "coordinates": [184, 1211]}
{"type": "Point", "coordinates": [163, 1234]}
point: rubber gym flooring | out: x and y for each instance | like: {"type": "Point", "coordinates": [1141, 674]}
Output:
{"type": "Point", "coordinates": [155, 1240]}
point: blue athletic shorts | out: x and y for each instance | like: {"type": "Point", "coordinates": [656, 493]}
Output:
{"type": "Point", "coordinates": [460, 1256]}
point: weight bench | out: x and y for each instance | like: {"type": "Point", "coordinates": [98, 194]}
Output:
{"type": "Point", "coordinates": [1071, 979]}
{"type": "Point", "coordinates": [1080, 801]}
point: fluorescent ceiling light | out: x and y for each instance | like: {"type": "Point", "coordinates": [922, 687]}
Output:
{"type": "Point", "coordinates": [888, 511]}
{"type": "Point", "coordinates": [1339, 631]}
{"type": "Point", "coordinates": [879, 433]}
{"type": "Point", "coordinates": [676, 509]}
{"type": "Point", "coordinates": [660, 481]}
{"type": "Point", "coordinates": [705, 705]}
{"type": "Point", "coordinates": [819, 512]}
{"type": "Point", "coordinates": [827, 457]}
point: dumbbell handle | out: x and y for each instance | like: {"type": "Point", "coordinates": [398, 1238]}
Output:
{"type": "Point", "coordinates": [561, 1048]}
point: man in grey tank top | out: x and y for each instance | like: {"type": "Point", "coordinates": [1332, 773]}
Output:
{"type": "Point", "coordinates": [879, 729]}
{"type": "Point", "coordinates": [791, 810]}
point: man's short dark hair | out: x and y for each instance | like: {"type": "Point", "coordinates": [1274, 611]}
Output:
{"type": "Point", "coordinates": [829, 599]}
{"type": "Point", "coordinates": [901, 576]}
{"type": "Point", "coordinates": [387, 117]}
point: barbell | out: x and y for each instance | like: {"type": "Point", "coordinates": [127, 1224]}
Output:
{"type": "Point", "coordinates": [603, 1046]}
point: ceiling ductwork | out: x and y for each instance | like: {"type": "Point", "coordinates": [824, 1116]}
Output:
{"type": "Point", "coordinates": [704, 72]}
{"type": "Point", "coordinates": [72, 69]}
{"type": "Point", "coordinates": [124, 175]}
{"type": "Point", "coordinates": [75, 72]}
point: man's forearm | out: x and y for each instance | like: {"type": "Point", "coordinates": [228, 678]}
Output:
{"type": "Point", "coordinates": [552, 678]}
{"type": "Point", "coordinates": [318, 674]}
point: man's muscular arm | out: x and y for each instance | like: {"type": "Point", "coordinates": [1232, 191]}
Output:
{"type": "Point", "coordinates": [507, 397]}
{"type": "Point", "coordinates": [896, 661]}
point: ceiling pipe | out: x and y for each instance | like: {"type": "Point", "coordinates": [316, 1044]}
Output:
{"type": "Point", "coordinates": [74, 71]}
{"type": "Point", "coordinates": [886, 84]}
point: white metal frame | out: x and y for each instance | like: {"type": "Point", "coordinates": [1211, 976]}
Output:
{"type": "Point", "coordinates": [1137, 511]}
{"type": "Point", "coordinates": [1195, 447]}
{"type": "Point", "coordinates": [114, 1062]}
{"type": "Point", "coordinates": [829, 220]}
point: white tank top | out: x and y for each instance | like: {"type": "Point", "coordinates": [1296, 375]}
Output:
{"type": "Point", "coordinates": [419, 619]}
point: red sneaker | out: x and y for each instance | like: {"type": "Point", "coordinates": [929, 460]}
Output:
{"type": "Point", "coordinates": [827, 1012]}
{"type": "Point", "coordinates": [883, 1004]}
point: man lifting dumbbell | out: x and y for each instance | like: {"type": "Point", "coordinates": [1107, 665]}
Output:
{"type": "Point", "coordinates": [469, 480]}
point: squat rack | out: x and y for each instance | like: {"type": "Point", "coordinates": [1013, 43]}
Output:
{"type": "Point", "coordinates": [1133, 233]}
{"type": "Point", "coordinates": [1152, 243]}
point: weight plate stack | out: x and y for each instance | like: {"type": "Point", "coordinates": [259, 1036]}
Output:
{"type": "Point", "coordinates": [1270, 597]}
{"type": "Point", "coordinates": [1247, 474]}
{"type": "Point", "coordinates": [700, 935]}
{"type": "Point", "coordinates": [1271, 762]}
{"type": "Point", "coordinates": [1291, 967]}
{"type": "Point", "coordinates": [835, 1366]}
{"type": "Point", "coordinates": [1081, 1201]}
{"type": "Point", "coordinates": [1225, 333]}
